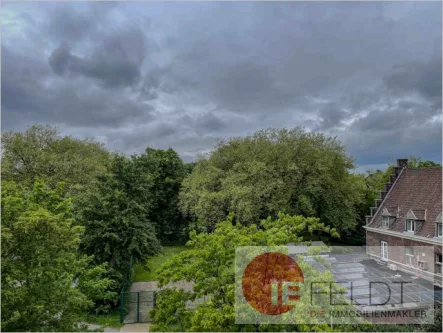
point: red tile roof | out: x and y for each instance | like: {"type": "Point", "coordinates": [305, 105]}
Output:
{"type": "Point", "coordinates": [419, 190]}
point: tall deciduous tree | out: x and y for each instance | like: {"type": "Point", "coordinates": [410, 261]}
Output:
{"type": "Point", "coordinates": [114, 214]}
{"type": "Point", "coordinates": [164, 171]}
{"type": "Point", "coordinates": [45, 283]}
{"type": "Point", "coordinates": [273, 171]}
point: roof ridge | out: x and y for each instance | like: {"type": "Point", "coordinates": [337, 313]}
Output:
{"type": "Point", "coordinates": [440, 167]}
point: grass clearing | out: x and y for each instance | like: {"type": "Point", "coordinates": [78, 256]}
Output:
{"type": "Point", "coordinates": [154, 263]}
{"type": "Point", "coordinates": [108, 320]}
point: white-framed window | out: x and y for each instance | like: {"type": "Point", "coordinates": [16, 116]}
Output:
{"type": "Point", "coordinates": [439, 230]}
{"type": "Point", "coordinates": [385, 221]}
{"type": "Point", "coordinates": [438, 263]}
{"type": "Point", "coordinates": [409, 255]}
{"type": "Point", "coordinates": [410, 225]}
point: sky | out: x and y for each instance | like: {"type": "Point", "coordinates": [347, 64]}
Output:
{"type": "Point", "coordinates": [183, 75]}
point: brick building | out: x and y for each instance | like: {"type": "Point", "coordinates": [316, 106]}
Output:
{"type": "Point", "coordinates": [404, 230]}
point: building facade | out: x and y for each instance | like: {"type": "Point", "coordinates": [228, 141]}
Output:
{"type": "Point", "coordinates": [404, 229]}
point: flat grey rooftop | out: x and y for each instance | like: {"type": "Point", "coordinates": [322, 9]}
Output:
{"type": "Point", "coordinates": [355, 270]}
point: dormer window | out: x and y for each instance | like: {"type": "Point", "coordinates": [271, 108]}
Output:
{"type": "Point", "coordinates": [439, 230]}
{"type": "Point", "coordinates": [387, 217]}
{"type": "Point", "coordinates": [385, 222]}
{"type": "Point", "coordinates": [410, 225]}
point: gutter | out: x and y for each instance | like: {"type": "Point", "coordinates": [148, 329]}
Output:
{"type": "Point", "coordinates": [404, 235]}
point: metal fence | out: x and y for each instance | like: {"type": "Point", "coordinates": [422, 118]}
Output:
{"type": "Point", "coordinates": [135, 307]}
{"type": "Point", "coordinates": [125, 297]}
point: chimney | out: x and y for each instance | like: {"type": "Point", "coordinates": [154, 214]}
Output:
{"type": "Point", "coordinates": [401, 164]}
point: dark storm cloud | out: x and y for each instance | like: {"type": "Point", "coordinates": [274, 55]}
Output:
{"type": "Point", "coordinates": [68, 22]}
{"type": "Point", "coordinates": [21, 85]}
{"type": "Point", "coordinates": [419, 139]}
{"type": "Point", "coordinates": [211, 122]}
{"type": "Point", "coordinates": [395, 119]}
{"type": "Point", "coordinates": [331, 116]}
{"type": "Point", "coordinates": [25, 96]}
{"type": "Point", "coordinates": [181, 75]}
{"type": "Point", "coordinates": [422, 77]}
{"type": "Point", "coordinates": [115, 63]}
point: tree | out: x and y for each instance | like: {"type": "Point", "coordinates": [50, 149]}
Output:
{"type": "Point", "coordinates": [42, 153]}
{"type": "Point", "coordinates": [370, 184]}
{"type": "Point", "coordinates": [273, 171]}
{"type": "Point", "coordinates": [189, 167]}
{"type": "Point", "coordinates": [40, 262]}
{"type": "Point", "coordinates": [210, 265]}
{"type": "Point", "coordinates": [165, 172]}
{"type": "Point", "coordinates": [171, 313]}
{"type": "Point", "coordinates": [117, 230]}
{"type": "Point", "coordinates": [417, 162]}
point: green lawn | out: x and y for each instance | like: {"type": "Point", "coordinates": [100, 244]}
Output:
{"type": "Point", "coordinates": [144, 275]}
{"type": "Point", "coordinates": [110, 320]}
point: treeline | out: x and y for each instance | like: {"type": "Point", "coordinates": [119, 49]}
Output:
{"type": "Point", "coordinates": [76, 215]}
{"type": "Point", "coordinates": [285, 170]}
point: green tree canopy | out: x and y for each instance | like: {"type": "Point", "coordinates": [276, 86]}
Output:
{"type": "Point", "coordinates": [46, 284]}
{"type": "Point", "coordinates": [114, 215]}
{"type": "Point", "coordinates": [165, 172]}
{"type": "Point", "coordinates": [271, 171]}
{"type": "Point", "coordinates": [42, 153]}
{"type": "Point", "coordinates": [210, 265]}
{"type": "Point", "coordinates": [417, 162]}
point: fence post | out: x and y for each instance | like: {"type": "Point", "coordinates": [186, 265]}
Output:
{"type": "Point", "coordinates": [138, 307]}
{"type": "Point", "coordinates": [154, 299]}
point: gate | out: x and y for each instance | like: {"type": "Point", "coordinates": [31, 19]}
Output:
{"type": "Point", "coordinates": [135, 306]}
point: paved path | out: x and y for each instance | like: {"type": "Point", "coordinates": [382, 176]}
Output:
{"type": "Point", "coordinates": [141, 327]}
{"type": "Point", "coordinates": [153, 286]}
{"type": "Point", "coordinates": [105, 329]}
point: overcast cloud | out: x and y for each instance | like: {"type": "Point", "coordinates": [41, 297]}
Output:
{"type": "Point", "coordinates": [182, 75]}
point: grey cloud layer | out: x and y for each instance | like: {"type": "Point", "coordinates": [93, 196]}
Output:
{"type": "Point", "coordinates": [116, 62]}
{"type": "Point", "coordinates": [181, 75]}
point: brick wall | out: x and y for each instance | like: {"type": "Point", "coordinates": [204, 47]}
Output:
{"type": "Point", "coordinates": [397, 253]}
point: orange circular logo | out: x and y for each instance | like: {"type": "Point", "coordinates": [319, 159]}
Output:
{"type": "Point", "coordinates": [269, 283]}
